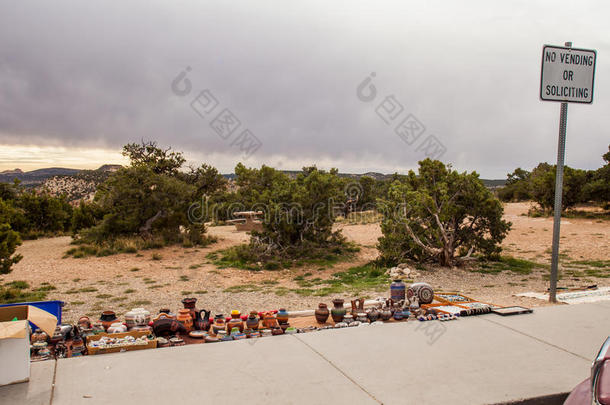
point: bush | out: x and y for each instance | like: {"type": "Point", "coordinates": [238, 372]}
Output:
{"type": "Point", "coordinates": [9, 240]}
{"type": "Point", "coordinates": [431, 215]}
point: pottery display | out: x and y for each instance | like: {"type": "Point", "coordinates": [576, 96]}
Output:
{"type": "Point", "coordinates": [282, 316]}
{"type": "Point", "coordinates": [252, 321]}
{"type": "Point", "coordinates": [423, 292]}
{"type": "Point", "coordinates": [108, 318]}
{"type": "Point", "coordinates": [322, 313]}
{"type": "Point", "coordinates": [398, 290]}
{"type": "Point", "coordinates": [184, 317]}
{"type": "Point", "coordinates": [338, 311]}
{"type": "Point", "coordinates": [235, 321]}
{"type": "Point", "coordinates": [348, 318]}
{"type": "Point", "coordinates": [398, 315]}
{"type": "Point", "coordinates": [386, 314]}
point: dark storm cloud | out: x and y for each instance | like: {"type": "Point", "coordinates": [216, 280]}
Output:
{"type": "Point", "coordinates": [94, 74]}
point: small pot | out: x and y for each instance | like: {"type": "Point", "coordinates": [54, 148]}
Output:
{"type": "Point", "coordinates": [108, 318]}
{"type": "Point", "coordinates": [322, 313]}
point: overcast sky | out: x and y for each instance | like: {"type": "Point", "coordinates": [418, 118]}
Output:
{"type": "Point", "coordinates": [80, 79]}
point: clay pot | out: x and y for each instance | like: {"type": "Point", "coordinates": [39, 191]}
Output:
{"type": "Point", "coordinates": [357, 306]}
{"type": "Point", "coordinates": [117, 327]}
{"type": "Point", "coordinates": [184, 317]}
{"type": "Point", "coordinates": [373, 315]}
{"type": "Point", "coordinates": [219, 324]}
{"type": "Point", "coordinates": [252, 322]}
{"type": "Point", "coordinates": [137, 317]}
{"type": "Point", "coordinates": [39, 336]}
{"type": "Point", "coordinates": [84, 322]}
{"type": "Point", "coordinates": [338, 312]}
{"type": "Point", "coordinates": [386, 314]}
{"type": "Point", "coordinates": [168, 327]}
{"type": "Point", "coordinates": [423, 292]}
{"type": "Point", "coordinates": [235, 322]}
{"type": "Point", "coordinates": [108, 318]}
{"type": "Point", "coordinates": [398, 315]}
{"type": "Point", "coordinates": [202, 320]}
{"type": "Point", "coordinates": [269, 320]}
{"type": "Point", "coordinates": [322, 313]}
{"type": "Point", "coordinates": [282, 316]}
{"type": "Point", "coordinates": [189, 303]}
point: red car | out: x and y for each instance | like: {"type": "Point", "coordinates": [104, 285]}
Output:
{"type": "Point", "coordinates": [595, 389]}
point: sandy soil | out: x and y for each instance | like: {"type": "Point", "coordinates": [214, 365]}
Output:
{"type": "Point", "coordinates": [114, 283]}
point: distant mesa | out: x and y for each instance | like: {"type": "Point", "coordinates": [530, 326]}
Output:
{"type": "Point", "coordinates": [14, 171]}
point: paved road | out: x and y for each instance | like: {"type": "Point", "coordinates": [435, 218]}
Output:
{"type": "Point", "coordinates": [478, 360]}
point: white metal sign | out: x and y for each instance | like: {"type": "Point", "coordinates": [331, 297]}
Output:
{"type": "Point", "coordinates": [567, 74]}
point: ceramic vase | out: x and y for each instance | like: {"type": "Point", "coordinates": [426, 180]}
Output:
{"type": "Point", "coordinates": [322, 313]}
{"type": "Point", "coordinates": [252, 322]}
{"type": "Point", "coordinates": [338, 312]}
{"type": "Point", "coordinates": [189, 303]}
{"type": "Point", "coordinates": [202, 320]}
{"type": "Point", "coordinates": [282, 316]}
{"type": "Point", "coordinates": [357, 306]}
{"type": "Point", "coordinates": [184, 317]}
{"type": "Point", "coordinates": [235, 322]}
{"type": "Point", "coordinates": [398, 290]}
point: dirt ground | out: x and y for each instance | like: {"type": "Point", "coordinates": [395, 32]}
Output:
{"type": "Point", "coordinates": [121, 282]}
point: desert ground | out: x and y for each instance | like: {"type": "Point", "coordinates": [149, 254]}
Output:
{"type": "Point", "coordinates": [121, 282]}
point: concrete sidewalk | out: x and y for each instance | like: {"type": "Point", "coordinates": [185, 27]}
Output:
{"type": "Point", "coordinates": [477, 360]}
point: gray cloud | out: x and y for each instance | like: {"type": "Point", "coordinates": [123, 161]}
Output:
{"type": "Point", "coordinates": [92, 74]}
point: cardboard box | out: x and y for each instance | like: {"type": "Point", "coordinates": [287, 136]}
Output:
{"type": "Point", "coordinates": [15, 340]}
{"type": "Point", "coordinates": [152, 344]}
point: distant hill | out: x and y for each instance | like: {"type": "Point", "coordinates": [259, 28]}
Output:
{"type": "Point", "coordinates": [35, 176]}
{"type": "Point", "coordinates": [38, 176]}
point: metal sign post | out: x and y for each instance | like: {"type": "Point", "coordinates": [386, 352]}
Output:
{"type": "Point", "coordinates": [567, 76]}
